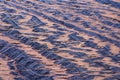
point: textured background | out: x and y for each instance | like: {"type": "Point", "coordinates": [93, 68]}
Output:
{"type": "Point", "coordinates": [59, 39]}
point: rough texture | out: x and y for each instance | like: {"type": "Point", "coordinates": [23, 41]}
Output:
{"type": "Point", "coordinates": [59, 40]}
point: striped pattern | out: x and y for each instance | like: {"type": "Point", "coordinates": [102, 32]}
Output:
{"type": "Point", "coordinates": [60, 39]}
